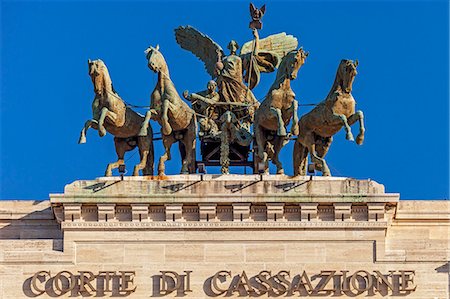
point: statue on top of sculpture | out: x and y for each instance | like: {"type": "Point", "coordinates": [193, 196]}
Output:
{"type": "Point", "coordinates": [237, 103]}
{"type": "Point", "coordinates": [234, 70]}
{"type": "Point", "coordinates": [203, 103]}
{"type": "Point", "coordinates": [317, 127]}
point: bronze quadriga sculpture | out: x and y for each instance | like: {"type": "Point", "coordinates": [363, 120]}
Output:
{"type": "Point", "coordinates": [227, 109]}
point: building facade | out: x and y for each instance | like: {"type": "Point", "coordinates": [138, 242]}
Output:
{"type": "Point", "coordinates": [202, 236]}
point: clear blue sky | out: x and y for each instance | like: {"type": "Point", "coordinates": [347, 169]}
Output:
{"type": "Point", "coordinates": [46, 93]}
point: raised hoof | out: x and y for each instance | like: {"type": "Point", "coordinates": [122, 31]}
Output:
{"type": "Point", "coordinates": [82, 140]}
{"type": "Point", "coordinates": [101, 131]}
{"type": "Point", "coordinates": [349, 137]}
{"type": "Point", "coordinates": [359, 139]}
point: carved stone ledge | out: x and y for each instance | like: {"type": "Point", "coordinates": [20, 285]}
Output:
{"type": "Point", "coordinates": [225, 224]}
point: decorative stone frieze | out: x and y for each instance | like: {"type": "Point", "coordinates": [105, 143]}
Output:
{"type": "Point", "coordinates": [275, 211]}
{"type": "Point", "coordinates": [376, 211]}
{"type": "Point", "coordinates": [308, 211]}
{"type": "Point", "coordinates": [72, 212]}
{"type": "Point", "coordinates": [139, 212]}
{"type": "Point", "coordinates": [106, 212]}
{"type": "Point", "coordinates": [241, 212]}
{"type": "Point", "coordinates": [342, 211]}
{"type": "Point", "coordinates": [207, 212]}
{"type": "Point", "coordinates": [174, 212]}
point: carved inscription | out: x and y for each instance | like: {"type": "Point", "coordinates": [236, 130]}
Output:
{"type": "Point", "coordinates": [225, 283]}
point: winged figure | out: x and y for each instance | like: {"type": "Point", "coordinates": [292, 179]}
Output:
{"type": "Point", "coordinates": [232, 71]}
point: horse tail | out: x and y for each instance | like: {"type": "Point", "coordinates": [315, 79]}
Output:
{"type": "Point", "coordinates": [300, 157]}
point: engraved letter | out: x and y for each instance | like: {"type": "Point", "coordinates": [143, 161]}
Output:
{"type": "Point", "coordinates": [127, 277]}
{"type": "Point", "coordinates": [58, 280]}
{"type": "Point", "coordinates": [86, 281]}
{"type": "Point", "coordinates": [217, 277]}
{"type": "Point", "coordinates": [407, 276]}
{"type": "Point", "coordinates": [38, 276]}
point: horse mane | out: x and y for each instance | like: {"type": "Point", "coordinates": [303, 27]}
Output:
{"type": "Point", "coordinates": [106, 76]}
{"type": "Point", "coordinates": [281, 72]}
{"type": "Point", "coordinates": [338, 80]}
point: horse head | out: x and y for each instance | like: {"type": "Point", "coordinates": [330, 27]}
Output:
{"type": "Point", "coordinates": [156, 61]}
{"type": "Point", "coordinates": [292, 62]}
{"type": "Point", "coordinates": [99, 75]}
{"type": "Point", "coordinates": [347, 72]}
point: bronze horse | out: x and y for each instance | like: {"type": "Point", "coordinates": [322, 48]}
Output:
{"type": "Point", "coordinates": [110, 114]}
{"type": "Point", "coordinates": [319, 125]}
{"type": "Point", "coordinates": [276, 111]}
{"type": "Point", "coordinates": [177, 119]}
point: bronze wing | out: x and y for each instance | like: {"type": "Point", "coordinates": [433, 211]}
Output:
{"type": "Point", "coordinates": [280, 44]}
{"type": "Point", "coordinates": [200, 45]}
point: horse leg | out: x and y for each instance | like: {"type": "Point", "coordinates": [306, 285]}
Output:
{"type": "Point", "coordinates": [300, 158]}
{"type": "Point", "coordinates": [189, 147]}
{"type": "Point", "coordinates": [148, 170]}
{"type": "Point", "coordinates": [144, 145]}
{"type": "Point", "coordinates": [167, 143]}
{"type": "Point", "coordinates": [101, 120]}
{"type": "Point", "coordinates": [165, 125]}
{"type": "Point", "coordinates": [359, 115]}
{"type": "Point", "coordinates": [294, 110]}
{"type": "Point", "coordinates": [348, 130]}
{"type": "Point", "coordinates": [88, 124]}
{"type": "Point", "coordinates": [121, 147]}
{"type": "Point", "coordinates": [310, 144]}
{"type": "Point", "coordinates": [322, 148]}
{"type": "Point", "coordinates": [277, 145]}
{"type": "Point", "coordinates": [261, 143]}
{"type": "Point", "coordinates": [281, 131]}
{"type": "Point", "coordinates": [144, 126]}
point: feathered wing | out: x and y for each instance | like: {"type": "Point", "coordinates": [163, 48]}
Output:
{"type": "Point", "coordinates": [280, 44]}
{"type": "Point", "coordinates": [200, 45]}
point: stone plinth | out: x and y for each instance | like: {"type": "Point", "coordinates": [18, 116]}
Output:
{"type": "Point", "coordinates": [191, 201]}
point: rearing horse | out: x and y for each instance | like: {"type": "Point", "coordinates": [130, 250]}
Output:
{"type": "Point", "coordinates": [318, 126]}
{"type": "Point", "coordinates": [276, 111]}
{"type": "Point", "coordinates": [111, 114]}
{"type": "Point", "coordinates": [177, 119]}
